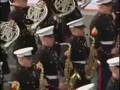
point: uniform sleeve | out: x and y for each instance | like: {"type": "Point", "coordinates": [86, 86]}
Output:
{"type": "Point", "coordinates": [96, 23]}
{"type": "Point", "coordinates": [110, 85]}
{"type": "Point", "coordinates": [39, 55]}
{"type": "Point", "coordinates": [3, 58]}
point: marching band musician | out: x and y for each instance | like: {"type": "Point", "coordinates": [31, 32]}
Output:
{"type": "Point", "coordinates": [50, 56]}
{"type": "Point", "coordinates": [27, 74]}
{"type": "Point", "coordinates": [79, 50]}
{"type": "Point", "coordinates": [104, 30]}
{"type": "Point", "coordinates": [18, 16]}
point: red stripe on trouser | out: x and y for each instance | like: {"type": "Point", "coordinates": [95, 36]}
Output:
{"type": "Point", "coordinates": [100, 83]}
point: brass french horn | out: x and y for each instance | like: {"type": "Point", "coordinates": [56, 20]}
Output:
{"type": "Point", "coordinates": [9, 33]}
{"type": "Point", "coordinates": [37, 13]}
{"type": "Point", "coordinates": [64, 7]}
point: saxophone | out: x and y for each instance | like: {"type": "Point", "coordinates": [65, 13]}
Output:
{"type": "Point", "coordinates": [68, 65]}
{"type": "Point", "coordinates": [43, 82]}
{"type": "Point", "coordinates": [15, 85]}
{"type": "Point", "coordinates": [92, 63]}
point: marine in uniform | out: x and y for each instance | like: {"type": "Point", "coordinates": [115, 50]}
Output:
{"type": "Point", "coordinates": [50, 56]}
{"type": "Point", "coordinates": [27, 74]}
{"type": "Point", "coordinates": [18, 15]}
{"type": "Point", "coordinates": [104, 30]}
{"type": "Point", "coordinates": [79, 49]}
{"type": "Point", "coordinates": [114, 82]}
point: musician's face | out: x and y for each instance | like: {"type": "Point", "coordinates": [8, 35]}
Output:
{"type": "Point", "coordinates": [25, 61]}
{"type": "Point", "coordinates": [48, 41]}
{"type": "Point", "coordinates": [77, 32]}
{"type": "Point", "coordinates": [106, 9]}
{"type": "Point", "coordinates": [115, 72]}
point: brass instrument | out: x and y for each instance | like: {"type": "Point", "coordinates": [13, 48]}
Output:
{"type": "Point", "coordinates": [92, 63]}
{"type": "Point", "coordinates": [64, 7]}
{"type": "Point", "coordinates": [68, 65]}
{"type": "Point", "coordinates": [9, 33]}
{"type": "Point", "coordinates": [37, 13]}
{"type": "Point", "coordinates": [74, 77]}
{"type": "Point", "coordinates": [15, 85]}
{"type": "Point", "coordinates": [43, 82]}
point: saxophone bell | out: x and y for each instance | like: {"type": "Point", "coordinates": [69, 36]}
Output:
{"type": "Point", "coordinates": [15, 85]}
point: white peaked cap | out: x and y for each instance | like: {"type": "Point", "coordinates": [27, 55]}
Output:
{"type": "Point", "coordinates": [100, 2]}
{"type": "Point", "coordinates": [75, 23]}
{"type": "Point", "coordinates": [86, 87]}
{"type": "Point", "coordinates": [113, 61]}
{"type": "Point", "coordinates": [45, 31]}
{"type": "Point", "coordinates": [23, 52]}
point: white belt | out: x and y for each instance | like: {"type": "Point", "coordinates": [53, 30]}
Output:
{"type": "Point", "coordinates": [80, 62]}
{"type": "Point", "coordinates": [4, 1]}
{"type": "Point", "coordinates": [52, 77]}
{"type": "Point", "coordinates": [107, 42]}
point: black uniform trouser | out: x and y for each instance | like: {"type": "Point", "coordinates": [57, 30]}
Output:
{"type": "Point", "coordinates": [4, 11]}
{"type": "Point", "coordinates": [53, 84]}
{"type": "Point", "coordinates": [103, 54]}
{"type": "Point", "coordinates": [81, 70]}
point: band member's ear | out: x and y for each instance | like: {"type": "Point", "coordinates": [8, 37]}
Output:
{"type": "Point", "coordinates": [12, 22]}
